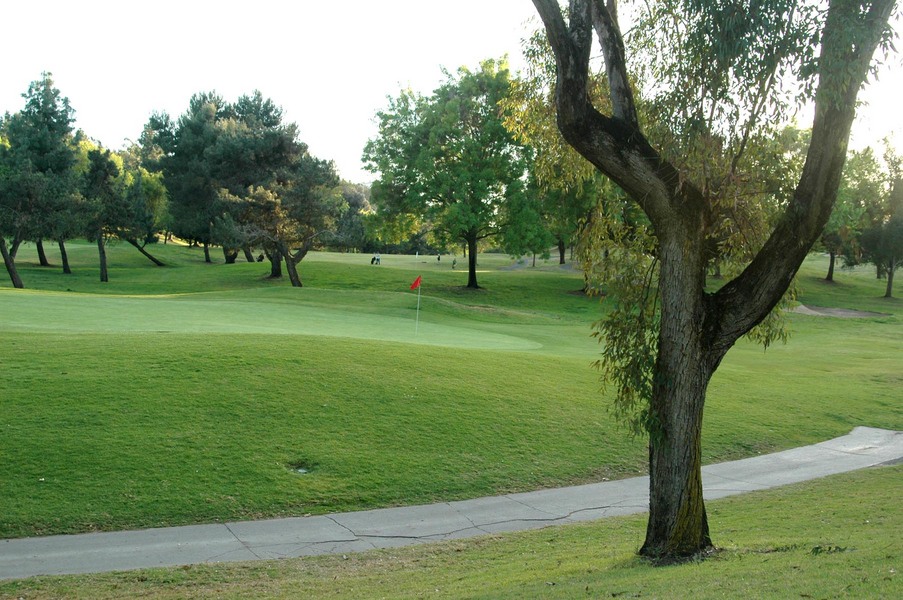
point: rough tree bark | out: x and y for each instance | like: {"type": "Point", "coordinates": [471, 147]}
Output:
{"type": "Point", "coordinates": [275, 258]}
{"type": "Point", "coordinates": [42, 256]}
{"type": "Point", "coordinates": [471, 239]}
{"type": "Point", "coordinates": [697, 329]}
{"type": "Point", "coordinates": [291, 263]}
{"type": "Point", "coordinates": [145, 253]}
{"type": "Point", "coordinates": [102, 253]}
{"type": "Point", "coordinates": [10, 262]}
{"type": "Point", "coordinates": [64, 256]}
{"type": "Point", "coordinates": [14, 249]}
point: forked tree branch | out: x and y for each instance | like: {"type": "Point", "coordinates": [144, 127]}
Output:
{"type": "Point", "coordinates": [605, 22]}
{"type": "Point", "coordinates": [615, 146]}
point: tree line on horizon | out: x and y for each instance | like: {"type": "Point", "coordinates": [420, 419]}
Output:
{"type": "Point", "coordinates": [235, 175]}
{"type": "Point", "coordinates": [456, 168]}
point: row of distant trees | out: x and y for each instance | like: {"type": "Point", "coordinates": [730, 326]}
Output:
{"type": "Point", "coordinates": [233, 175]}
{"type": "Point", "coordinates": [56, 185]}
{"type": "Point", "coordinates": [456, 168]}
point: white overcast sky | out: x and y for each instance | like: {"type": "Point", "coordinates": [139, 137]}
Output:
{"type": "Point", "coordinates": [329, 63]}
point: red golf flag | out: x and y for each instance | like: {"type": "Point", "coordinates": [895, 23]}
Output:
{"type": "Point", "coordinates": [416, 283]}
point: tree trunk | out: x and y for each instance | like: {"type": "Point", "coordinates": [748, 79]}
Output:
{"type": "Point", "coordinates": [64, 256]}
{"type": "Point", "coordinates": [561, 250]}
{"type": "Point", "coordinates": [293, 275]}
{"type": "Point", "coordinates": [830, 275]}
{"type": "Point", "coordinates": [146, 254]}
{"type": "Point", "coordinates": [102, 252]}
{"type": "Point", "coordinates": [14, 249]}
{"type": "Point", "coordinates": [42, 256]}
{"type": "Point", "coordinates": [534, 259]}
{"type": "Point", "coordinates": [678, 526]}
{"type": "Point", "coordinates": [249, 256]}
{"type": "Point", "coordinates": [890, 280]}
{"type": "Point", "coordinates": [10, 262]}
{"type": "Point", "coordinates": [472, 262]}
{"type": "Point", "coordinates": [292, 267]}
{"type": "Point", "coordinates": [207, 253]}
{"type": "Point", "coordinates": [275, 264]}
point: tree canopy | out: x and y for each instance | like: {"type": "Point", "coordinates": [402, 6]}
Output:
{"type": "Point", "coordinates": [238, 176]}
{"type": "Point", "coordinates": [37, 156]}
{"type": "Point", "coordinates": [449, 160]}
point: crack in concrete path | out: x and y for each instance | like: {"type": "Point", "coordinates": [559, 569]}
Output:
{"type": "Point", "coordinates": [240, 541]}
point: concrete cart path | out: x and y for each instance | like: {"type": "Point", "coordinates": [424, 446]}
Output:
{"type": "Point", "coordinates": [393, 527]}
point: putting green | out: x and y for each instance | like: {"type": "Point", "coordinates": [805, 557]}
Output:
{"type": "Point", "coordinates": [390, 317]}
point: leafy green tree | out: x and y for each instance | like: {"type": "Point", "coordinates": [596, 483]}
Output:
{"type": "Point", "coordinates": [882, 242]}
{"type": "Point", "coordinates": [37, 178]}
{"type": "Point", "coordinates": [145, 203]}
{"type": "Point", "coordinates": [287, 220]}
{"type": "Point", "coordinates": [182, 150]}
{"type": "Point", "coordinates": [568, 186]}
{"type": "Point", "coordinates": [216, 159]}
{"type": "Point", "coordinates": [351, 229]}
{"type": "Point", "coordinates": [862, 190]}
{"type": "Point", "coordinates": [709, 72]}
{"type": "Point", "coordinates": [254, 148]}
{"type": "Point", "coordinates": [448, 160]}
{"type": "Point", "coordinates": [526, 231]}
{"type": "Point", "coordinates": [107, 208]}
{"type": "Point", "coordinates": [9, 201]}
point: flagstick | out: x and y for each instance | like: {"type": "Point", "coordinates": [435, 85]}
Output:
{"type": "Point", "coordinates": [417, 321]}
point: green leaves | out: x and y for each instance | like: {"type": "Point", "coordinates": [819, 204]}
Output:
{"type": "Point", "coordinates": [447, 160]}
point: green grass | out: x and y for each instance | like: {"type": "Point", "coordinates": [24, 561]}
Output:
{"type": "Point", "coordinates": [185, 394]}
{"type": "Point", "coordinates": [839, 537]}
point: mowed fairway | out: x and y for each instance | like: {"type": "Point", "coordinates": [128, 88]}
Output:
{"type": "Point", "coordinates": [194, 393]}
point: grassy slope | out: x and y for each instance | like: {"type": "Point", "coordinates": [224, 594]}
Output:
{"type": "Point", "coordinates": [838, 537]}
{"type": "Point", "coordinates": [185, 394]}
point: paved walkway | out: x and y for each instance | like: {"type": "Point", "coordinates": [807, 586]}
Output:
{"type": "Point", "coordinates": [392, 527]}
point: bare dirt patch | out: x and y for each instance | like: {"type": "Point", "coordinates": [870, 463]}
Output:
{"type": "Point", "coordinates": [842, 313]}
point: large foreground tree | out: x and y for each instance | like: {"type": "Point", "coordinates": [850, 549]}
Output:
{"type": "Point", "coordinates": [716, 66]}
